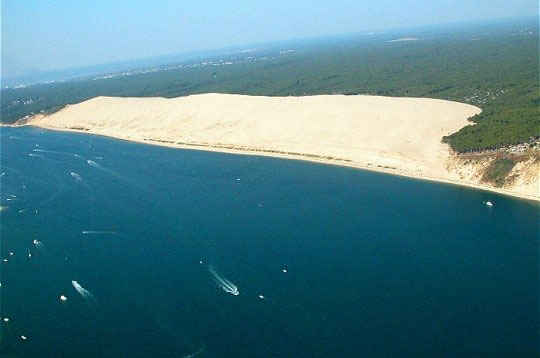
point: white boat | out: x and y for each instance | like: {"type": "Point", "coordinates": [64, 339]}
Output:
{"type": "Point", "coordinates": [489, 203]}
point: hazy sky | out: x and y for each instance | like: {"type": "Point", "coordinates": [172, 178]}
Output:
{"type": "Point", "coordinates": [58, 34]}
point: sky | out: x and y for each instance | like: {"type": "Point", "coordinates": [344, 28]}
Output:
{"type": "Point", "coordinates": [58, 34]}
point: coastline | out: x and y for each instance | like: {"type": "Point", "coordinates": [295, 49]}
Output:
{"type": "Point", "coordinates": [298, 156]}
{"type": "Point", "coordinates": [393, 135]}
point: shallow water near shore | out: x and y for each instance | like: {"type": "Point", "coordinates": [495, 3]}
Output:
{"type": "Point", "coordinates": [170, 253]}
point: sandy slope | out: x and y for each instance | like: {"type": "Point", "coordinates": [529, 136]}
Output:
{"type": "Point", "coordinates": [397, 135]}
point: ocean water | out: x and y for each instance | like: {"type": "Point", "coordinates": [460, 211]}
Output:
{"type": "Point", "coordinates": [180, 253]}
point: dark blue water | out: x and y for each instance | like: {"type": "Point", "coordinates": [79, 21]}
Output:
{"type": "Point", "coordinates": [377, 265]}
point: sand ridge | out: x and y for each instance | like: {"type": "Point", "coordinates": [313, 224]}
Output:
{"type": "Point", "coordinates": [396, 135]}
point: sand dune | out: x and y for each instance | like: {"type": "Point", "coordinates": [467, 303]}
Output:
{"type": "Point", "coordinates": [397, 135]}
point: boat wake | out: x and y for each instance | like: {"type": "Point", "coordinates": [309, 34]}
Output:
{"type": "Point", "coordinates": [94, 164]}
{"type": "Point", "coordinates": [76, 176]}
{"type": "Point", "coordinates": [94, 232]}
{"type": "Point", "coordinates": [38, 244]}
{"type": "Point", "coordinates": [222, 282]}
{"type": "Point", "coordinates": [195, 354]}
{"type": "Point", "coordinates": [101, 167]}
{"type": "Point", "coordinates": [56, 152]}
{"type": "Point", "coordinates": [88, 297]}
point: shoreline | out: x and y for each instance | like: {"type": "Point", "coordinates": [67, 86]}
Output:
{"type": "Point", "coordinates": [267, 152]}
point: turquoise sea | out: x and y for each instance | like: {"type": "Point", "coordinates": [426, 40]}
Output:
{"type": "Point", "coordinates": [178, 253]}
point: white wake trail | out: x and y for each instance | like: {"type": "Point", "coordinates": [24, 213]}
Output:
{"type": "Point", "coordinates": [56, 152]}
{"type": "Point", "coordinates": [76, 176]}
{"type": "Point", "coordinates": [38, 244]}
{"type": "Point", "coordinates": [195, 354]}
{"type": "Point", "coordinates": [104, 169]}
{"type": "Point", "coordinates": [222, 282]}
{"type": "Point", "coordinates": [83, 292]}
{"type": "Point", "coordinates": [94, 164]}
{"type": "Point", "coordinates": [98, 232]}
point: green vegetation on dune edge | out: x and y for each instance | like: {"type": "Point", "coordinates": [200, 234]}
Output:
{"type": "Point", "coordinates": [494, 68]}
{"type": "Point", "coordinates": [498, 170]}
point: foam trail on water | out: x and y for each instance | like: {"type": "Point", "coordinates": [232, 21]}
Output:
{"type": "Point", "coordinates": [83, 292]}
{"type": "Point", "coordinates": [195, 354]}
{"type": "Point", "coordinates": [102, 168]}
{"type": "Point", "coordinates": [54, 151]}
{"type": "Point", "coordinates": [116, 175]}
{"type": "Point", "coordinates": [225, 284]}
{"type": "Point", "coordinates": [75, 175]}
{"type": "Point", "coordinates": [94, 164]}
{"type": "Point", "coordinates": [38, 244]}
{"type": "Point", "coordinates": [35, 155]}
{"type": "Point", "coordinates": [87, 232]}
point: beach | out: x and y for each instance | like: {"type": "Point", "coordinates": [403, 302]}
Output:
{"type": "Point", "coordinates": [399, 136]}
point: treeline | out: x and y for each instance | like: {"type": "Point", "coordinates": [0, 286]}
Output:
{"type": "Point", "coordinates": [494, 68]}
{"type": "Point", "coordinates": [512, 119]}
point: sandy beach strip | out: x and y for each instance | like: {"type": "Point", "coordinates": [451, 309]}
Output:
{"type": "Point", "coordinates": [399, 136]}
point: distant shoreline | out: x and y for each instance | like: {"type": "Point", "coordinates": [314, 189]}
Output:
{"type": "Point", "coordinates": [303, 157]}
{"type": "Point", "coordinates": [233, 132]}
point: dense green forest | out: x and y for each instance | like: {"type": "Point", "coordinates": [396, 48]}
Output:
{"type": "Point", "coordinates": [493, 66]}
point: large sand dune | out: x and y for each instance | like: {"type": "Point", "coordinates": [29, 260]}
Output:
{"type": "Point", "coordinates": [397, 135]}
